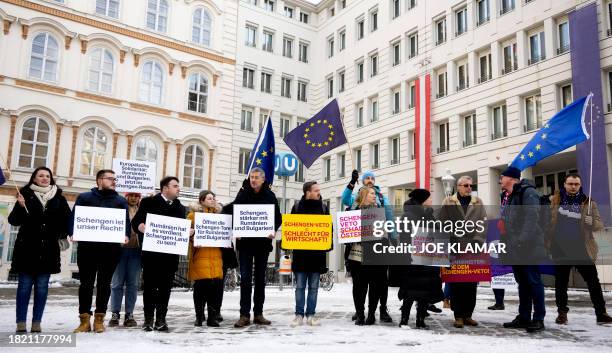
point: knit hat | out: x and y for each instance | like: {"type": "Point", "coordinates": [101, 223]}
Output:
{"type": "Point", "coordinates": [368, 173]}
{"type": "Point", "coordinates": [419, 195]}
{"type": "Point", "coordinates": [512, 172]}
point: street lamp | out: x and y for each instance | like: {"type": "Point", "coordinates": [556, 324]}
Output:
{"type": "Point", "coordinates": [448, 181]}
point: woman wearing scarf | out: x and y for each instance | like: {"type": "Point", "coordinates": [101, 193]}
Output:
{"type": "Point", "coordinates": [42, 214]}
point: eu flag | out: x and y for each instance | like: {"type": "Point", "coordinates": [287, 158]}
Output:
{"type": "Point", "coordinates": [262, 155]}
{"type": "Point", "coordinates": [318, 135]}
{"type": "Point", "coordinates": [566, 129]}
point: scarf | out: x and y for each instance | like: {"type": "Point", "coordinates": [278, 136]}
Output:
{"type": "Point", "coordinates": [571, 205]}
{"type": "Point", "coordinates": [44, 194]}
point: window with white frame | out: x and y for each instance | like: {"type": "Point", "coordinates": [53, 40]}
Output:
{"type": "Point", "coordinates": [533, 112]}
{"type": "Point", "coordinates": [146, 149]}
{"type": "Point", "coordinates": [289, 11]}
{"type": "Point", "coordinates": [359, 115]}
{"type": "Point", "coordinates": [483, 12]}
{"type": "Point", "coordinates": [93, 150]}
{"type": "Point", "coordinates": [327, 169]}
{"type": "Point", "coordinates": [469, 130]}
{"type": "Point", "coordinates": [330, 47]}
{"type": "Point", "coordinates": [357, 156]}
{"type": "Point", "coordinates": [330, 87]}
{"type": "Point", "coordinates": [440, 25]}
{"type": "Point", "coordinates": [410, 4]}
{"type": "Point", "coordinates": [157, 15]}
{"type": "Point", "coordinates": [564, 38]}
{"type": "Point", "coordinates": [34, 145]}
{"type": "Point", "coordinates": [395, 100]}
{"type": "Point", "coordinates": [395, 53]}
{"type": "Point", "coordinates": [484, 67]}
{"type": "Point", "coordinates": [341, 164]}
{"type": "Point", "coordinates": [360, 28]}
{"type": "Point", "coordinates": [442, 82]}
{"type": "Point", "coordinates": [375, 155]}
{"type": "Point", "coordinates": [303, 52]}
{"type": "Point", "coordinates": [566, 95]}
{"type": "Point", "coordinates": [374, 20]}
{"type": "Point", "coordinates": [151, 82]}
{"type": "Point", "coordinates": [303, 17]}
{"type": "Point", "coordinates": [269, 5]}
{"type": "Point", "coordinates": [499, 122]}
{"type": "Point", "coordinates": [101, 69]}
{"type": "Point", "coordinates": [287, 47]}
{"type": "Point", "coordinates": [302, 91]}
{"type": "Point", "coordinates": [395, 9]}
{"type": "Point", "coordinates": [460, 21]}
{"type": "Point", "coordinates": [201, 28]}
{"type": "Point", "coordinates": [462, 77]}
{"type": "Point", "coordinates": [394, 148]}
{"type": "Point", "coordinates": [341, 81]}
{"type": "Point", "coordinates": [250, 36]}
{"type": "Point", "coordinates": [506, 6]}
{"type": "Point", "coordinates": [359, 71]}
{"type": "Point", "coordinates": [443, 137]}
{"type": "Point", "coordinates": [268, 39]}
{"type": "Point", "coordinates": [286, 87]}
{"type": "Point", "coordinates": [108, 8]}
{"type": "Point", "coordinates": [412, 144]}
{"type": "Point", "coordinates": [373, 65]}
{"type": "Point", "coordinates": [285, 123]}
{"type": "Point", "coordinates": [510, 58]}
{"type": "Point", "coordinates": [197, 100]}
{"type": "Point", "coordinates": [266, 82]}
{"type": "Point", "coordinates": [413, 45]}
{"type": "Point", "coordinates": [342, 40]}
{"type": "Point", "coordinates": [373, 109]}
{"type": "Point", "coordinates": [193, 167]}
{"type": "Point", "coordinates": [243, 160]}
{"type": "Point", "coordinates": [411, 91]}
{"type": "Point", "coordinates": [536, 48]}
{"type": "Point", "coordinates": [246, 119]}
{"type": "Point", "coordinates": [44, 57]}
{"type": "Point", "coordinates": [299, 174]}
{"type": "Point", "coordinates": [248, 77]}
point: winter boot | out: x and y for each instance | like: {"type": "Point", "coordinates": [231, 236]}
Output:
{"type": "Point", "coordinates": [434, 309]}
{"type": "Point", "coordinates": [199, 314]}
{"type": "Point", "coordinates": [446, 304]}
{"type": "Point", "coordinates": [261, 320]}
{"type": "Point", "coordinates": [148, 322]}
{"type": "Point", "coordinates": [518, 322]}
{"type": "Point", "coordinates": [212, 316]}
{"type": "Point", "coordinates": [354, 317]}
{"type": "Point", "coordinates": [371, 319]}
{"type": "Point", "coordinates": [604, 319]}
{"type": "Point", "coordinates": [129, 321]}
{"type": "Point", "coordinates": [458, 323]}
{"type": "Point", "coordinates": [114, 321]}
{"type": "Point", "coordinates": [405, 315]}
{"type": "Point", "coordinates": [98, 325]}
{"type": "Point", "coordinates": [420, 321]}
{"type": "Point", "coordinates": [561, 318]}
{"type": "Point", "coordinates": [535, 326]}
{"type": "Point", "coordinates": [85, 325]}
{"type": "Point", "coordinates": [243, 321]}
{"type": "Point", "coordinates": [35, 327]}
{"type": "Point", "coordinates": [497, 307]}
{"type": "Point", "coordinates": [384, 314]}
{"type": "Point", "coordinates": [470, 322]}
{"type": "Point", "coordinates": [21, 328]}
{"type": "Point", "coordinates": [160, 321]}
{"type": "Point", "coordinates": [360, 319]}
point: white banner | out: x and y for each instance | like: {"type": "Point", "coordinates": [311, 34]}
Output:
{"type": "Point", "coordinates": [99, 224]}
{"type": "Point", "coordinates": [135, 176]}
{"type": "Point", "coordinates": [506, 281]}
{"type": "Point", "coordinates": [168, 235]}
{"type": "Point", "coordinates": [213, 230]}
{"type": "Point", "coordinates": [253, 221]}
{"type": "Point", "coordinates": [353, 225]}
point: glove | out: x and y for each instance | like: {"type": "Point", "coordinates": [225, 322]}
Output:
{"type": "Point", "coordinates": [64, 244]}
{"type": "Point", "coordinates": [354, 176]}
{"type": "Point", "coordinates": [588, 220]}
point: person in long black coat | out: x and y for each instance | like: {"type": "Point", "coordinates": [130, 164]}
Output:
{"type": "Point", "coordinates": [417, 282]}
{"type": "Point", "coordinates": [42, 213]}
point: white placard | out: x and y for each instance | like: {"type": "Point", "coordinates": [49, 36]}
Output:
{"type": "Point", "coordinates": [506, 281]}
{"type": "Point", "coordinates": [353, 225]}
{"type": "Point", "coordinates": [168, 235]}
{"type": "Point", "coordinates": [213, 230]}
{"type": "Point", "coordinates": [135, 176]}
{"type": "Point", "coordinates": [253, 221]}
{"type": "Point", "coordinates": [99, 224]}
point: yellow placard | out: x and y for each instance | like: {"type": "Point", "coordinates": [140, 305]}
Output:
{"type": "Point", "coordinates": [307, 232]}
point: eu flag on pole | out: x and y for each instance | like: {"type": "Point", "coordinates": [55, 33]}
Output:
{"type": "Point", "coordinates": [262, 155]}
{"type": "Point", "coordinates": [318, 135]}
{"type": "Point", "coordinates": [566, 129]}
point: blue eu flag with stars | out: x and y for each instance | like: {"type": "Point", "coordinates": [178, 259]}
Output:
{"type": "Point", "coordinates": [566, 129]}
{"type": "Point", "coordinates": [262, 155]}
{"type": "Point", "coordinates": [318, 135]}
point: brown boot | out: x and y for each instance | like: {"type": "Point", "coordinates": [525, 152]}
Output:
{"type": "Point", "coordinates": [470, 322]}
{"type": "Point", "coordinates": [458, 323]}
{"type": "Point", "coordinates": [561, 318]}
{"type": "Point", "coordinates": [21, 327]}
{"type": "Point", "coordinates": [261, 320]}
{"type": "Point", "coordinates": [243, 321]}
{"type": "Point", "coordinates": [98, 325]}
{"type": "Point", "coordinates": [35, 327]}
{"type": "Point", "coordinates": [446, 304]}
{"type": "Point", "coordinates": [85, 325]}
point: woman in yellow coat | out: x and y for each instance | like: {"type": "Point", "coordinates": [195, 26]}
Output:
{"type": "Point", "coordinates": [205, 268]}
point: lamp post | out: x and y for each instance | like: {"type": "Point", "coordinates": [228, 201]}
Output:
{"type": "Point", "coordinates": [448, 181]}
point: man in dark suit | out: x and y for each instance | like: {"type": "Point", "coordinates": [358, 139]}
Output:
{"type": "Point", "coordinates": [158, 268]}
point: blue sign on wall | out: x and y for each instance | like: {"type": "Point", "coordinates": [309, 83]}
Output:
{"type": "Point", "coordinates": [286, 164]}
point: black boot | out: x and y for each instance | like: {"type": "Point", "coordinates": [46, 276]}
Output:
{"type": "Point", "coordinates": [434, 309]}
{"type": "Point", "coordinates": [420, 322]}
{"type": "Point", "coordinates": [405, 313]}
{"type": "Point", "coordinates": [371, 319]}
{"type": "Point", "coordinates": [200, 317]}
{"type": "Point", "coordinates": [160, 321]}
{"type": "Point", "coordinates": [212, 318]}
{"type": "Point", "coordinates": [354, 317]}
{"type": "Point", "coordinates": [359, 318]}
{"type": "Point", "coordinates": [535, 326]}
{"type": "Point", "coordinates": [384, 314]}
{"type": "Point", "coordinates": [148, 322]}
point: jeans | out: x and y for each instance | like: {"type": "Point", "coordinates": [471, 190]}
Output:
{"type": "Point", "coordinates": [499, 295]}
{"type": "Point", "coordinates": [248, 258]}
{"type": "Point", "coordinates": [531, 292]}
{"type": "Point", "coordinates": [300, 290]}
{"type": "Point", "coordinates": [126, 274]}
{"type": "Point", "coordinates": [463, 299]}
{"type": "Point", "coordinates": [589, 274]}
{"type": "Point", "coordinates": [24, 290]}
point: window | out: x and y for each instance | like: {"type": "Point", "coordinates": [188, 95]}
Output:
{"type": "Point", "coordinates": [461, 21]}
{"type": "Point", "coordinates": [146, 149]}
{"type": "Point", "coordinates": [198, 93]}
{"type": "Point", "coordinates": [246, 120]}
{"type": "Point", "coordinates": [157, 15]}
{"type": "Point", "coordinates": [303, 17]}
{"type": "Point", "coordinates": [443, 137]}
{"type": "Point", "coordinates": [327, 169]}
{"type": "Point", "coordinates": [469, 130]}
{"type": "Point", "coordinates": [395, 6]}
{"type": "Point", "coordinates": [341, 165]}
{"type": "Point", "coordinates": [243, 160]}
{"type": "Point", "coordinates": [462, 77]}
{"type": "Point", "coordinates": [484, 14]}
{"type": "Point", "coordinates": [413, 45]}
{"type": "Point", "coordinates": [299, 174]}
{"type": "Point", "coordinates": [268, 39]}
{"type": "Point", "coordinates": [411, 94]}
{"type": "Point", "coordinates": [332, 11]}
{"type": "Point", "coordinates": [303, 52]}
{"type": "Point", "coordinates": [44, 57]}
{"type": "Point", "coordinates": [93, 150]}
{"type": "Point", "coordinates": [151, 82]}
{"type": "Point", "coordinates": [440, 31]}
{"type": "Point", "coordinates": [395, 150]}
{"type": "Point", "coordinates": [360, 29]}
{"type": "Point", "coordinates": [373, 20]}
{"type": "Point", "coordinates": [248, 77]}
{"type": "Point", "coordinates": [395, 50]}
{"type": "Point", "coordinates": [564, 39]}
{"type": "Point", "coordinates": [341, 81]}
{"type": "Point", "coordinates": [286, 87]}
{"type": "Point", "coordinates": [373, 65]}
{"type": "Point", "coordinates": [359, 115]}
{"type": "Point", "coordinates": [506, 6]}
{"type": "Point", "coordinates": [250, 35]}
{"type": "Point", "coordinates": [342, 40]}
{"type": "Point", "coordinates": [285, 121]}
{"type": "Point", "coordinates": [193, 167]}
{"type": "Point", "coordinates": [395, 100]}
{"type": "Point", "coordinates": [101, 68]}
{"type": "Point", "coordinates": [301, 91]}
{"type": "Point", "coordinates": [269, 5]}
{"type": "Point", "coordinates": [288, 11]}
{"type": "Point", "coordinates": [108, 8]}
{"type": "Point", "coordinates": [266, 82]}
{"type": "Point", "coordinates": [201, 28]}
{"type": "Point", "coordinates": [11, 245]}
{"type": "Point", "coordinates": [343, 4]}
{"type": "Point", "coordinates": [357, 155]}
{"type": "Point", "coordinates": [375, 154]}
{"type": "Point", "coordinates": [412, 143]}
{"type": "Point", "coordinates": [410, 4]}
{"type": "Point", "coordinates": [566, 95]}
{"type": "Point", "coordinates": [287, 47]}
{"type": "Point", "coordinates": [330, 47]}
{"type": "Point", "coordinates": [536, 48]}
{"type": "Point", "coordinates": [510, 60]}
{"type": "Point", "coordinates": [359, 70]}
{"type": "Point", "coordinates": [533, 113]}
{"type": "Point", "coordinates": [373, 109]}
{"type": "Point", "coordinates": [34, 147]}
{"type": "Point", "coordinates": [263, 117]}
{"type": "Point", "coordinates": [442, 89]}
{"type": "Point", "coordinates": [330, 87]}
{"type": "Point", "coordinates": [485, 68]}
{"type": "Point", "coordinates": [500, 122]}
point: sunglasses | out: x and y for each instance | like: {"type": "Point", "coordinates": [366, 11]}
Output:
{"type": "Point", "coordinates": [466, 185]}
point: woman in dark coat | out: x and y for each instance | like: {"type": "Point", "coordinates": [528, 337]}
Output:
{"type": "Point", "coordinates": [42, 214]}
{"type": "Point", "coordinates": [418, 283]}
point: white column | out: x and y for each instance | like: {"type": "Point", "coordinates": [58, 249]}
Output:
{"type": "Point", "coordinates": [495, 59]}
{"type": "Point", "coordinates": [551, 38]}
{"type": "Point", "coordinates": [521, 47]}
{"type": "Point", "coordinates": [472, 68]}
{"type": "Point", "coordinates": [451, 73]}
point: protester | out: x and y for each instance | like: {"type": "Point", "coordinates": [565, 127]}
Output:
{"type": "Point", "coordinates": [570, 240]}
{"type": "Point", "coordinates": [308, 265]}
{"type": "Point", "coordinates": [158, 269]}
{"type": "Point", "coordinates": [42, 213]}
{"type": "Point", "coordinates": [97, 260]}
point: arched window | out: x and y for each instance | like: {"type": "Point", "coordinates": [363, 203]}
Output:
{"type": "Point", "coordinates": [198, 93]}
{"type": "Point", "coordinates": [201, 31]}
{"type": "Point", "coordinates": [34, 148]}
{"type": "Point", "coordinates": [151, 82]}
{"type": "Point", "coordinates": [93, 150]}
{"type": "Point", "coordinates": [157, 15]}
{"type": "Point", "coordinates": [193, 167]}
{"type": "Point", "coordinates": [101, 68]}
{"type": "Point", "coordinates": [44, 57]}
{"type": "Point", "coordinates": [146, 149]}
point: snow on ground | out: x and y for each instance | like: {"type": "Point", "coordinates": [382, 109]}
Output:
{"type": "Point", "coordinates": [337, 333]}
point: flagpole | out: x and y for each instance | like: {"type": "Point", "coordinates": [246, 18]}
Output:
{"type": "Point", "coordinates": [11, 179]}
{"type": "Point", "coordinates": [591, 158]}
{"type": "Point", "coordinates": [349, 145]}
